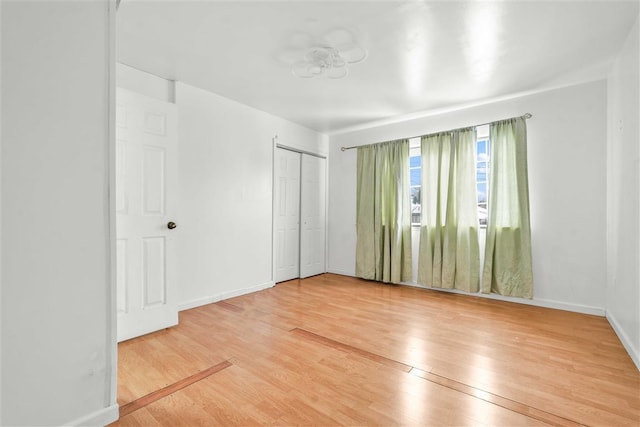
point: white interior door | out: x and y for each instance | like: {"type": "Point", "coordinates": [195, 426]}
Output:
{"type": "Point", "coordinates": [287, 214]}
{"type": "Point", "coordinates": [312, 216]}
{"type": "Point", "coordinates": [146, 166]}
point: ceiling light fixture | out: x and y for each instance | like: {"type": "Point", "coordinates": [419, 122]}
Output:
{"type": "Point", "coordinates": [328, 61]}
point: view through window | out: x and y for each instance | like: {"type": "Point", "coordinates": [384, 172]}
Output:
{"type": "Point", "coordinates": [415, 170]}
{"type": "Point", "coordinates": [482, 172]}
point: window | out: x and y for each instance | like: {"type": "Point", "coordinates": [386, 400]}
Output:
{"type": "Point", "coordinates": [415, 171]}
{"type": "Point", "coordinates": [482, 172]}
{"type": "Point", "coordinates": [482, 175]}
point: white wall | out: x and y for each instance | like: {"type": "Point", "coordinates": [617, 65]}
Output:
{"type": "Point", "coordinates": [623, 201]}
{"type": "Point", "coordinates": [225, 149]}
{"type": "Point", "coordinates": [225, 167]}
{"type": "Point", "coordinates": [566, 150]}
{"type": "Point", "coordinates": [1, 133]}
{"type": "Point", "coordinates": [57, 345]}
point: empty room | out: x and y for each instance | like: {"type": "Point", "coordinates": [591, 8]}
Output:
{"type": "Point", "coordinates": [234, 213]}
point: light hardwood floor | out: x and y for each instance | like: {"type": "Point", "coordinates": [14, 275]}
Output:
{"type": "Point", "coordinates": [333, 350]}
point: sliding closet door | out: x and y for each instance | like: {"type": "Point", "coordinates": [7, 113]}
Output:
{"type": "Point", "coordinates": [313, 216]}
{"type": "Point", "coordinates": [299, 214]}
{"type": "Point", "coordinates": [287, 214]}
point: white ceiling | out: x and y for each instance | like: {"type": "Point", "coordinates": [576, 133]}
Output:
{"type": "Point", "coordinates": [422, 55]}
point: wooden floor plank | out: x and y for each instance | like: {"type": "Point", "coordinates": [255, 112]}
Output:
{"type": "Point", "coordinates": [228, 306]}
{"type": "Point", "coordinates": [344, 347]}
{"type": "Point", "coordinates": [454, 385]}
{"type": "Point", "coordinates": [518, 407]}
{"type": "Point", "coordinates": [170, 389]}
{"type": "Point", "coordinates": [353, 341]}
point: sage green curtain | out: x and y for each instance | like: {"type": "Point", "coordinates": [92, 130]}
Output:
{"type": "Point", "coordinates": [449, 254]}
{"type": "Point", "coordinates": [507, 262]}
{"type": "Point", "coordinates": [383, 249]}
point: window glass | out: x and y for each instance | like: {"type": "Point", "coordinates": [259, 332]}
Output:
{"type": "Point", "coordinates": [415, 172]}
{"type": "Point", "coordinates": [482, 178]}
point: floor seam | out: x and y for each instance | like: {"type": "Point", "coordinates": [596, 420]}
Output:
{"type": "Point", "coordinates": [555, 420]}
{"type": "Point", "coordinates": [154, 396]}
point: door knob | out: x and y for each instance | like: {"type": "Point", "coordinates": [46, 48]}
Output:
{"type": "Point", "coordinates": [171, 225]}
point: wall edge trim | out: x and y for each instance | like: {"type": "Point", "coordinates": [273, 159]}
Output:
{"type": "Point", "coordinates": [464, 106]}
{"type": "Point", "coordinates": [341, 272]}
{"type": "Point", "coordinates": [545, 303]}
{"type": "Point", "coordinates": [624, 339]}
{"type": "Point", "coordinates": [101, 417]}
{"type": "Point", "coordinates": [198, 302]}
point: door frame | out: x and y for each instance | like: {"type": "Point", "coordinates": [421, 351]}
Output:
{"type": "Point", "coordinates": [112, 302]}
{"type": "Point", "coordinates": [275, 145]}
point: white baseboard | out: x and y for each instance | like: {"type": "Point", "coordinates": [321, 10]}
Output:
{"type": "Point", "coordinates": [577, 308]}
{"type": "Point", "coordinates": [624, 338]}
{"type": "Point", "coordinates": [100, 417]}
{"type": "Point", "coordinates": [342, 273]}
{"type": "Point", "coordinates": [197, 302]}
{"type": "Point", "coordinates": [559, 305]}
{"type": "Point", "coordinates": [222, 296]}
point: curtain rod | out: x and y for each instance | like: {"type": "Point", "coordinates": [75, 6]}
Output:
{"type": "Point", "coordinates": [525, 116]}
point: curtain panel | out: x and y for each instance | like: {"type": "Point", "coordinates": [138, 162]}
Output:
{"type": "Point", "coordinates": [383, 247]}
{"type": "Point", "coordinates": [507, 263]}
{"type": "Point", "coordinates": [449, 254]}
